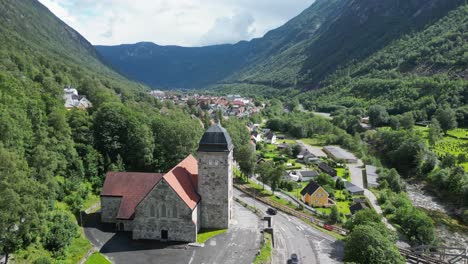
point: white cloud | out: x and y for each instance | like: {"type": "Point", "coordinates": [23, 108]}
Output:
{"type": "Point", "coordinates": [174, 22]}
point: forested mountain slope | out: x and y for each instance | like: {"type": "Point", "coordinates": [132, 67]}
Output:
{"type": "Point", "coordinates": [417, 72]}
{"type": "Point", "coordinates": [328, 35]}
{"type": "Point", "coordinates": [51, 159]}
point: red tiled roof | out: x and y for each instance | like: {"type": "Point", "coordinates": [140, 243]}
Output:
{"type": "Point", "coordinates": [131, 186]}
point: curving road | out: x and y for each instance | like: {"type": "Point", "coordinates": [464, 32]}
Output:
{"type": "Point", "coordinates": [294, 236]}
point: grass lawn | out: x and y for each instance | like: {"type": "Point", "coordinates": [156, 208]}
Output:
{"type": "Point", "coordinates": [265, 252]}
{"type": "Point", "coordinates": [297, 191]}
{"type": "Point", "coordinates": [97, 258]}
{"type": "Point", "coordinates": [206, 234]}
{"type": "Point", "coordinates": [318, 140]}
{"type": "Point", "coordinates": [340, 172]}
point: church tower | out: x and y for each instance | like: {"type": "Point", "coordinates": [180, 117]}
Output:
{"type": "Point", "coordinates": [215, 160]}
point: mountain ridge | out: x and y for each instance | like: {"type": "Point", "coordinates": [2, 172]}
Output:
{"type": "Point", "coordinates": [286, 56]}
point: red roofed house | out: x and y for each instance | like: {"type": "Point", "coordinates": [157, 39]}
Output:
{"type": "Point", "coordinates": [174, 206]}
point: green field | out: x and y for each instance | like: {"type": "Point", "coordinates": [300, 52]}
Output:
{"type": "Point", "coordinates": [450, 144]}
{"type": "Point", "coordinates": [318, 140]}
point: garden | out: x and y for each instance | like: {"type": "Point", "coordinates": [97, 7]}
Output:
{"type": "Point", "coordinates": [455, 143]}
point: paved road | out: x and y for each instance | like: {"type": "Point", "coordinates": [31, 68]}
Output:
{"type": "Point", "coordinates": [294, 236]}
{"type": "Point", "coordinates": [238, 246]}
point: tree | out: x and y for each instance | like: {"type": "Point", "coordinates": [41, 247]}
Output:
{"type": "Point", "coordinates": [339, 184]}
{"type": "Point", "coordinates": [334, 215]}
{"type": "Point", "coordinates": [407, 120]}
{"type": "Point", "coordinates": [363, 217]}
{"type": "Point", "coordinates": [21, 203]}
{"type": "Point", "coordinates": [247, 159]}
{"type": "Point", "coordinates": [378, 115]}
{"type": "Point", "coordinates": [447, 119]}
{"type": "Point", "coordinates": [366, 244]}
{"type": "Point", "coordinates": [61, 231]}
{"type": "Point", "coordinates": [296, 149]}
{"type": "Point", "coordinates": [448, 161]}
{"type": "Point", "coordinates": [435, 132]}
{"type": "Point", "coordinates": [264, 171]}
{"type": "Point", "coordinates": [393, 180]}
{"type": "Point", "coordinates": [394, 122]}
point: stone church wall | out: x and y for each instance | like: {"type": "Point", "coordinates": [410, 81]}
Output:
{"type": "Point", "coordinates": [163, 209]}
{"type": "Point", "coordinates": [215, 188]}
{"type": "Point", "coordinates": [110, 208]}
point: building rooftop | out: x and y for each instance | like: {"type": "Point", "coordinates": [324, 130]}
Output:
{"type": "Point", "coordinates": [216, 139]}
{"type": "Point", "coordinates": [133, 187]}
{"type": "Point", "coordinates": [310, 188]}
{"type": "Point", "coordinates": [339, 153]}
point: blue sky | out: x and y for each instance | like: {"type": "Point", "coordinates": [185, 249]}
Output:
{"type": "Point", "coordinates": [174, 22]}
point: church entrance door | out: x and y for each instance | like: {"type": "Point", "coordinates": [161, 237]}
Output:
{"type": "Point", "coordinates": [164, 234]}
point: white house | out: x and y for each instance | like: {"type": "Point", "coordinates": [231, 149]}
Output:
{"type": "Point", "coordinates": [270, 138]}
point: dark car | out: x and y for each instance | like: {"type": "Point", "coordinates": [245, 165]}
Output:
{"type": "Point", "coordinates": [294, 259]}
{"type": "Point", "coordinates": [272, 211]}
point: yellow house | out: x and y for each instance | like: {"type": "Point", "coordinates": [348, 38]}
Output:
{"type": "Point", "coordinates": [314, 195]}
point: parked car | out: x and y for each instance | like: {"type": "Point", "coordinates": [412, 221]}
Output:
{"type": "Point", "coordinates": [294, 259]}
{"type": "Point", "coordinates": [272, 211]}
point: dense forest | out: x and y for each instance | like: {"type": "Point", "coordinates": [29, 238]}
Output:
{"type": "Point", "coordinates": [52, 160]}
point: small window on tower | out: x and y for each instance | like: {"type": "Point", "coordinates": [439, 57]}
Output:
{"type": "Point", "coordinates": [216, 163]}
{"type": "Point", "coordinates": [210, 162]}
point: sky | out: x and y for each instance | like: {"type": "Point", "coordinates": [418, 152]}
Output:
{"type": "Point", "coordinates": [174, 22]}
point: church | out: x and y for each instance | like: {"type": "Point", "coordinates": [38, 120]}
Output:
{"type": "Point", "coordinates": [195, 194]}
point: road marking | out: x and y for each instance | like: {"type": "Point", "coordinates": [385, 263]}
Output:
{"type": "Point", "coordinates": [193, 256]}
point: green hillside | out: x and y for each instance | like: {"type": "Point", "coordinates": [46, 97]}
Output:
{"type": "Point", "coordinates": [53, 161]}
{"type": "Point", "coordinates": [417, 72]}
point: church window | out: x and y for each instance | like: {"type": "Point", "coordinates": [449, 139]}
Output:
{"type": "Point", "coordinates": [210, 162]}
{"type": "Point", "coordinates": [152, 211]}
{"type": "Point", "coordinates": [163, 210]}
{"type": "Point", "coordinates": [216, 162]}
{"type": "Point", "coordinates": [174, 211]}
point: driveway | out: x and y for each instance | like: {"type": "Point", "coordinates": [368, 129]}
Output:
{"type": "Point", "coordinates": [294, 236]}
{"type": "Point", "coordinates": [355, 170]}
{"type": "Point", "coordinates": [239, 245]}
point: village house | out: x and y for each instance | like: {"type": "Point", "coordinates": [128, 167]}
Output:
{"type": "Point", "coordinates": [270, 138]}
{"type": "Point", "coordinates": [195, 194]}
{"type": "Point", "coordinates": [371, 176]}
{"type": "Point", "coordinates": [306, 175]}
{"type": "Point", "coordinates": [358, 207]}
{"type": "Point", "coordinates": [338, 153]}
{"type": "Point", "coordinates": [314, 195]}
{"type": "Point", "coordinates": [327, 169]}
{"type": "Point", "coordinates": [353, 189]}
{"type": "Point", "coordinates": [74, 100]}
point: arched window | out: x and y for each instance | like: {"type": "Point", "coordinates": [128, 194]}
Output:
{"type": "Point", "coordinates": [174, 211]}
{"type": "Point", "coordinates": [163, 210]}
{"type": "Point", "coordinates": [152, 211]}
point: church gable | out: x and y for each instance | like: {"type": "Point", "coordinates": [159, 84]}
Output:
{"type": "Point", "coordinates": [163, 210]}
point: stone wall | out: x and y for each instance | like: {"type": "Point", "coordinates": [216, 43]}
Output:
{"type": "Point", "coordinates": [109, 208]}
{"type": "Point", "coordinates": [163, 209]}
{"type": "Point", "coordinates": [215, 188]}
